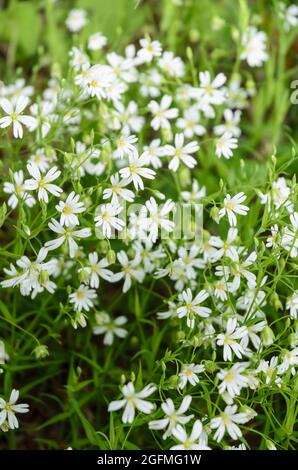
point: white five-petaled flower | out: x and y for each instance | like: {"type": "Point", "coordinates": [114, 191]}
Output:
{"type": "Point", "coordinates": [191, 307]}
{"type": "Point", "coordinates": [69, 209]}
{"type": "Point", "coordinates": [225, 145]}
{"type": "Point", "coordinates": [118, 191]}
{"type": "Point", "coordinates": [15, 117]}
{"type": "Point", "coordinates": [43, 183]}
{"type": "Point", "coordinates": [195, 441]}
{"type": "Point", "coordinates": [97, 269]}
{"type": "Point", "coordinates": [189, 374]}
{"type": "Point", "coordinates": [130, 269]}
{"type": "Point", "coordinates": [227, 422]}
{"type": "Point", "coordinates": [133, 400]}
{"type": "Point", "coordinates": [229, 339]}
{"type": "Point", "coordinates": [136, 170]}
{"type": "Point", "coordinates": [109, 327]}
{"type": "Point", "coordinates": [157, 217]}
{"type": "Point", "coordinates": [82, 298]}
{"type": "Point", "coordinates": [9, 408]}
{"type": "Point", "coordinates": [210, 91]}
{"type": "Point", "coordinates": [292, 305]}
{"type": "Point", "coordinates": [125, 146]}
{"type": "Point", "coordinates": [68, 234]}
{"type": "Point", "coordinates": [162, 113]}
{"type": "Point", "coordinates": [233, 205]}
{"type": "Point", "coordinates": [149, 49]}
{"type": "Point", "coordinates": [181, 153]}
{"type": "Point", "coordinates": [232, 380]}
{"type": "Point", "coordinates": [172, 417]}
{"type": "Point", "coordinates": [108, 220]}
{"type": "Point", "coordinates": [76, 20]}
{"type": "Point", "coordinates": [17, 191]}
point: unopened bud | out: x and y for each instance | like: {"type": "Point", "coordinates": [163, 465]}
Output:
{"type": "Point", "coordinates": [41, 351]}
{"type": "Point", "coordinates": [267, 336]}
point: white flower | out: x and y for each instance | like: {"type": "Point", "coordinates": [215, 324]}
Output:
{"type": "Point", "coordinates": [292, 305]}
{"type": "Point", "coordinates": [76, 20]}
{"type": "Point", "coordinates": [192, 442]}
{"type": "Point", "coordinates": [210, 91]}
{"type": "Point", "coordinates": [153, 152]}
{"type": "Point", "coordinates": [290, 360]}
{"type": "Point", "coordinates": [196, 193]}
{"type": "Point", "coordinates": [172, 417]}
{"type": "Point", "coordinates": [192, 307]}
{"type": "Point", "coordinates": [254, 47]}
{"type": "Point", "coordinates": [225, 145]}
{"type": "Point", "coordinates": [9, 408]}
{"type": "Point", "coordinates": [109, 327]}
{"type": "Point", "coordinates": [158, 217]}
{"type": "Point", "coordinates": [231, 125]}
{"type": "Point", "coordinates": [226, 247]}
{"type": "Point", "coordinates": [136, 171]}
{"type": "Point", "coordinates": [15, 117]}
{"type": "Point", "coordinates": [133, 400]}
{"type": "Point", "coordinates": [181, 153]}
{"type": "Point", "coordinates": [68, 234]}
{"type": "Point", "coordinates": [189, 374]}
{"type": "Point", "coordinates": [118, 191]}
{"type": "Point", "coordinates": [226, 422]}
{"type": "Point", "coordinates": [82, 298]}
{"type": "Point", "coordinates": [17, 191]}
{"type": "Point", "coordinates": [107, 219]}
{"type": "Point", "coordinates": [190, 123]}
{"type": "Point", "coordinates": [232, 380]}
{"type": "Point", "coordinates": [97, 269]}
{"type": "Point", "coordinates": [69, 209]}
{"type": "Point", "coordinates": [233, 205]}
{"type": "Point", "coordinates": [289, 15]}
{"type": "Point", "coordinates": [171, 65]}
{"type": "Point", "coordinates": [43, 183]}
{"type": "Point", "coordinates": [130, 270]}
{"type": "Point", "coordinates": [125, 146]}
{"type": "Point", "coordinates": [96, 41]}
{"type": "Point", "coordinates": [228, 339]}
{"type": "Point", "coordinates": [149, 50]}
{"type": "Point", "coordinates": [162, 113]}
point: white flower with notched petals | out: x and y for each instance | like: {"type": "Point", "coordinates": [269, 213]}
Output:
{"type": "Point", "coordinates": [97, 269]}
{"type": "Point", "coordinates": [130, 270]}
{"type": "Point", "coordinates": [14, 116]}
{"type": "Point", "coordinates": [227, 422]}
{"type": "Point", "coordinates": [149, 49]}
{"type": "Point", "coordinates": [8, 410]}
{"type": "Point", "coordinates": [233, 205]}
{"type": "Point", "coordinates": [158, 217]}
{"type": "Point", "coordinates": [189, 373]}
{"type": "Point", "coordinates": [125, 146]}
{"type": "Point", "coordinates": [190, 123]}
{"type": "Point", "coordinates": [229, 340]}
{"type": "Point", "coordinates": [181, 153]}
{"type": "Point", "coordinates": [194, 441]}
{"type": "Point", "coordinates": [82, 298]}
{"type": "Point", "coordinates": [225, 145]}
{"type": "Point", "coordinates": [232, 380]}
{"type": "Point", "coordinates": [162, 113]}
{"type": "Point", "coordinates": [69, 209]}
{"type": "Point", "coordinates": [68, 234]}
{"type": "Point", "coordinates": [232, 120]}
{"type": "Point", "coordinates": [43, 183]}
{"type": "Point", "coordinates": [109, 327]}
{"type": "Point", "coordinates": [108, 220]}
{"type": "Point", "coordinates": [136, 170]}
{"type": "Point", "coordinates": [172, 417]}
{"type": "Point", "coordinates": [133, 401]}
{"type": "Point", "coordinates": [196, 193]}
{"type": "Point", "coordinates": [192, 306]}
{"type": "Point", "coordinates": [118, 191]}
{"type": "Point", "coordinates": [17, 191]}
{"type": "Point", "coordinates": [153, 152]}
{"type": "Point", "coordinates": [289, 361]}
{"type": "Point", "coordinates": [210, 91]}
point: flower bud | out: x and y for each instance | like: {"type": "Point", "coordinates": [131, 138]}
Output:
{"type": "Point", "coordinates": [41, 351]}
{"type": "Point", "coordinates": [267, 336]}
{"type": "Point", "coordinates": [84, 276]}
